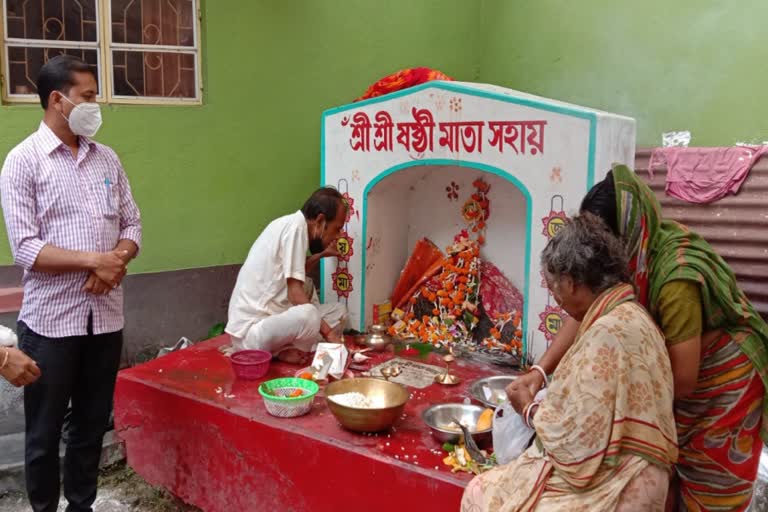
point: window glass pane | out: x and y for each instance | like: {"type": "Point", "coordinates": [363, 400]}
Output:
{"type": "Point", "coordinates": [24, 64]}
{"type": "Point", "coordinates": [52, 20]}
{"type": "Point", "coordinates": [157, 22]}
{"type": "Point", "coordinates": [154, 74]}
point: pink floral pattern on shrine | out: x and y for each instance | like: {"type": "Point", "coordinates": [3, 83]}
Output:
{"type": "Point", "coordinates": [452, 191]}
{"type": "Point", "coordinates": [553, 222]}
{"type": "Point", "coordinates": [551, 320]}
{"type": "Point", "coordinates": [344, 246]}
{"type": "Point", "coordinates": [439, 102]}
{"type": "Point", "coordinates": [350, 205]}
{"type": "Point", "coordinates": [556, 175]}
{"type": "Point", "coordinates": [342, 282]}
{"type": "Point", "coordinates": [455, 104]}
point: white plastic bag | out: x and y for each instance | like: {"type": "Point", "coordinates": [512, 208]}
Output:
{"type": "Point", "coordinates": [7, 337]}
{"type": "Point", "coordinates": [180, 345]}
{"type": "Point", "coordinates": [511, 436]}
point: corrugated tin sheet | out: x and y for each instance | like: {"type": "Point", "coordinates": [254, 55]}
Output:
{"type": "Point", "coordinates": [736, 226]}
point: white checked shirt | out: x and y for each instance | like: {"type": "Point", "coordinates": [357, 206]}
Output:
{"type": "Point", "coordinates": [80, 204]}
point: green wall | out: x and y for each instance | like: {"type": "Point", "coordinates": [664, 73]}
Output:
{"type": "Point", "coordinates": [209, 178]}
{"type": "Point", "coordinates": [697, 65]}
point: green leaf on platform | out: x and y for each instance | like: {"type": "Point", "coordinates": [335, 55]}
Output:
{"type": "Point", "coordinates": [216, 330]}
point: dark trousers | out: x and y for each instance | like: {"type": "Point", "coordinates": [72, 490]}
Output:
{"type": "Point", "coordinates": [81, 369]}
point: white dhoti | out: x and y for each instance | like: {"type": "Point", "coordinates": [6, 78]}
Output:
{"type": "Point", "coordinates": [296, 328]}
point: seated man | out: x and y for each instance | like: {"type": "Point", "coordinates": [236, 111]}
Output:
{"type": "Point", "coordinates": [274, 306]}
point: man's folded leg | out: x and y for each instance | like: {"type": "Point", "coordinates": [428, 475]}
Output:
{"type": "Point", "coordinates": [297, 328]}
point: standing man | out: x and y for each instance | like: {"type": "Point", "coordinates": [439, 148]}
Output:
{"type": "Point", "coordinates": [73, 226]}
{"type": "Point", "coordinates": [274, 306]}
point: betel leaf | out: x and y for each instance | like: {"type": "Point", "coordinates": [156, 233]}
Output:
{"type": "Point", "coordinates": [216, 330]}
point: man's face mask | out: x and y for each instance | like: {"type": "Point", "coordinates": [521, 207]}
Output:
{"type": "Point", "coordinates": [316, 243]}
{"type": "Point", "coordinates": [84, 119]}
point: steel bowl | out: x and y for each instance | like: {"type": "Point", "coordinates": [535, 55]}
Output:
{"type": "Point", "coordinates": [438, 417]}
{"type": "Point", "coordinates": [495, 386]}
{"type": "Point", "coordinates": [367, 420]}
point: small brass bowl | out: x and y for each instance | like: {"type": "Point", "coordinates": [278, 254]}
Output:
{"type": "Point", "coordinates": [378, 340]}
{"type": "Point", "coordinates": [367, 420]}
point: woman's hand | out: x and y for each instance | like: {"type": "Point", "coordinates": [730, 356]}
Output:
{"type": "Point", "coordinates": [19, 368]}
{"type": "Point", "coordinates": [532, 380]}
{"type": "Point", "coordinates": [520, 394]}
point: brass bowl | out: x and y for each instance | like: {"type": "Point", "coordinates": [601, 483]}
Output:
{"type": "Point", "coordinates": [377, 340]}
{"type": "Point", "coordinates": [367, 420]}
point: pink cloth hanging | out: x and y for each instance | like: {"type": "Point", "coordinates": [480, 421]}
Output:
{"type": "Point", "coordinates": [704, 175]}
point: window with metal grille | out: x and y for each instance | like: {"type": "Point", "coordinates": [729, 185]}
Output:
{"type": "Point", "coordinates": [142, 51]}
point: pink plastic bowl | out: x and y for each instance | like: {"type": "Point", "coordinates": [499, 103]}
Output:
{"type": "Point", "coordinates": [251, 364]}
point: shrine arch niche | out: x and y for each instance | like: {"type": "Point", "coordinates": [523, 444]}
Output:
{"type": "Point", "coordinates": [406, 162]}
{"type": "Point", "coordinates": [425, 199]}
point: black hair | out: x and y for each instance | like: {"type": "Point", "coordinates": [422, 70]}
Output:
{"type": "Point", "coordinates": [601, 201]}
{"type": "Point", "coordinates": [324, 200]}
{"type": "Point", "coordinates": [58, 75]}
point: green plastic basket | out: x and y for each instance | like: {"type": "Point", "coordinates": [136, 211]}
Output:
{"type": "Point", "coordinates": [275, 391]}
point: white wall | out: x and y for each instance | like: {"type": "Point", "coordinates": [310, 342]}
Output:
{"type": "Point", "coordinates": [413, 203]}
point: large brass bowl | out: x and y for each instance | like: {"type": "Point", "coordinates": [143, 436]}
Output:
{"type": "Point", "coordinates": [367, 420]}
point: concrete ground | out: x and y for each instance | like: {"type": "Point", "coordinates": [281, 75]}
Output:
{"type": "Point", "coordinates": [120, 490]}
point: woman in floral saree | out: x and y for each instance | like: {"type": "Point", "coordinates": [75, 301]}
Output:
{"type": "Point", "coordinates": [717, 343]}
{"type": "Point", "coordinates": [605, 430]}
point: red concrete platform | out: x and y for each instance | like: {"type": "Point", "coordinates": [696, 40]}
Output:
{"type": "Point", "coordinates": [185, 432]}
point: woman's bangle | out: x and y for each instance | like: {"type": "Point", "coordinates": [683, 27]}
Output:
{"type": "Point", "coordinates": [528, 417]}
{"type": "Point", "coordinates": [525, 411]}
{"type": "Point", "coordinates": [542, 372]}
{"type": "Point", "coordinates": [5, 359]}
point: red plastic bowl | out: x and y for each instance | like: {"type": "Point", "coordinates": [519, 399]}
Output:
{"type": "Point", "coordinates": [251, 364]}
